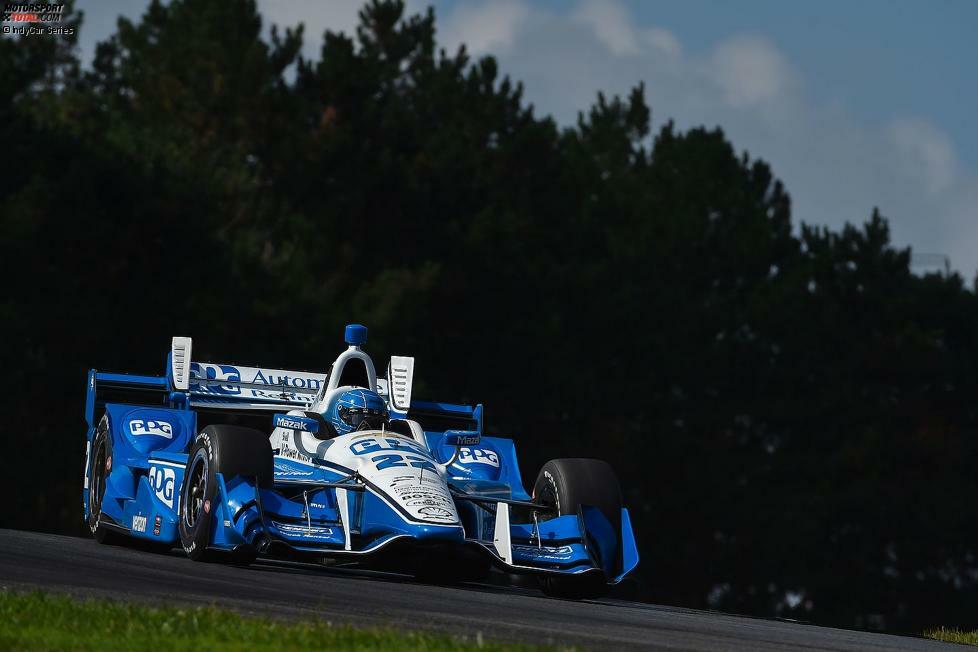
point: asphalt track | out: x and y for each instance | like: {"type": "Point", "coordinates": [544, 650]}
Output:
{"type": "Point", "coordinates": [82, 567]}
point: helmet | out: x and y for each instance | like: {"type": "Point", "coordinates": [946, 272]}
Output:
{"type": "Point", "coordinates": [358, 409]}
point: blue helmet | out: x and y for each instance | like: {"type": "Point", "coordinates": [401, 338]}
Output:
{"type": "Point", "coordinates": [358, 409]}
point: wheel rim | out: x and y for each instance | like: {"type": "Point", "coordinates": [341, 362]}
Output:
{"type": "Point", "coordinates": [193, 499]}
{"type": "Point", "coordinates": [547, 496]}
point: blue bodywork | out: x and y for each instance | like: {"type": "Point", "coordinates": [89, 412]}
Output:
{"type": "Point", "coordinates": [319, 508]}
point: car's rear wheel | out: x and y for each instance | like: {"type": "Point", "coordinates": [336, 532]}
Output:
{"type": "Point", "coordinates": [100, 465]}
{"type": "Point", "coordinates": [230, 451]}
{"type": "Point", "coordinates": [563, 485]}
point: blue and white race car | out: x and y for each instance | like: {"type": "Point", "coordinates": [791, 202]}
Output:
{"type": "Point", "coordinates": [232, 462]}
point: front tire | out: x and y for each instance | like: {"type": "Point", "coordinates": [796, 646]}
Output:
{"type": "Point", "coordinates": [230, 451]}
{"type": "Point", "coordinates": [563, 485]}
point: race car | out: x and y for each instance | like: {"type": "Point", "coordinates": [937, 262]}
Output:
{"type": "Point", "coordinates": [232, 462]}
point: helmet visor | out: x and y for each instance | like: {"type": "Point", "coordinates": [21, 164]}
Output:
{"type": "Point", "coordinates": [363, 418]}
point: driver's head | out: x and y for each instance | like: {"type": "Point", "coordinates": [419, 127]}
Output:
{"type": "Point", "coordinates": [358, 409]}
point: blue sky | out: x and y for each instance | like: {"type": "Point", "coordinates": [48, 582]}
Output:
{"type": "Point", "coordinates": [855, 104]}
{"type": "Point", "coordinates": [875, 57]}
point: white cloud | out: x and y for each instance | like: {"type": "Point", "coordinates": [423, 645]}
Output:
{"type": "Point", "coordinates": [836, 167]}
{"type": "Point", "coordinates": [926, 151]}
{"type": "Point", "coordinates": [750, 71]}
{"type": "Point", "coordinates": [484, 28]}
{"type": "Point", "coordinates": [611, 25]}
{"type": "Point", "coordinates": [663, 40]}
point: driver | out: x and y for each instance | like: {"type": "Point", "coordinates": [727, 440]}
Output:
{"type": "Point", "coordinates": [358, 409]}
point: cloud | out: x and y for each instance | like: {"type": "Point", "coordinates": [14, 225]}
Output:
{"type": "Point", "coordinates": [926, 151]}
{"type": "Point", "coordinates": [611, 25]}
{"type": "Point", "coordinates": [663, 40]}
{"type": "Point", "coordinates": [836, 167]}
{"type": "Point", "coordinates": [749, 71]}
{"type": "Point", "coordinates": [485, 28]}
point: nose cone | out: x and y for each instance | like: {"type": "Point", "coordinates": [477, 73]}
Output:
{"type": "Point", "coordinates": [421, 494]}
{"type": "Point", "coordinates": [402, 471]}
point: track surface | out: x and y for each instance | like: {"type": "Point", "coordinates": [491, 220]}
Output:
{"type": "Point", "coordinates": [85, 568]}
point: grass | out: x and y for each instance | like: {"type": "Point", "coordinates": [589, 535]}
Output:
{"type": "Point", "coordinates": [953, 636]}
{"type": "Point", "coordinates": [40, 621]}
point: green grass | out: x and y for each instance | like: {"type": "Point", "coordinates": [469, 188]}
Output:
{"type": "Point", "coordinates": [953, 636]}
{"type": "Point", "coordinates": [39, 621]}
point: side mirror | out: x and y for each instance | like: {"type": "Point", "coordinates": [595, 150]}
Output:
{"type": "Point", "coordinates": [462, 437]}
{"type": "Point", "coordinates": [293, 422]}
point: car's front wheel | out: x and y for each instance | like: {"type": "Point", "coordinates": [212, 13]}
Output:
{"type": "Point", "coordinates": [563, 485]}
{"type": "Point", "coordinates": [230, 451]}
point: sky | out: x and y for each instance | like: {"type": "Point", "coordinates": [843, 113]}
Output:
{"type": "Point", "coordinates": [854, 104]}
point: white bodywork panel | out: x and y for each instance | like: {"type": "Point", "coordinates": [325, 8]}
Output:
{"type": "Point", "coordinates": [501, 536]}
{"type": "Point", "coordinates": [400, 377]}
{"type": "Point", "coordinates": [399, 470]}
{"type": "Point", "coordinates": [234, 382]}
{"type": "Point", "coordinates": [180, 351]}
{"type": "Point", "coordinates": [221, 385]}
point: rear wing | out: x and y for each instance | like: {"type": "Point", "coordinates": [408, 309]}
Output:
{"type": "Point", "coordinates": [191, 384]}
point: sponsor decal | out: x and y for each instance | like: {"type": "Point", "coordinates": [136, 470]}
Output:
{"type": "Point", "coordinates": [418, 459]}
{"type": "Point", "coordinates": [295, 423]}
{"type": "Point", "coordinates": [139, 523]}
{"type": "Point", "coordinates": [147, 427]}
{"type": "Point", "coordinates": [422, 502]}
{"type": "Point", "coordinates": [161, 481]}
{"type": "Point", "coordinates": [227, 523]}
{"type": "Point", "coordinates": [226, 380]}
{"type": "Point", "coordinates": [478, 456]}
{"type": "Point", "coordinates": [206, 440]}
{"type": "Point", "coordinates": [379, 444]}
{"type": "Point", "coordinates": [303, 531]}
{"type": "Point", "coordinates": [430, 502]}
{"type": "Point", "coordinates": [436, 512]}
{"type": "Point", "coordinates": [157, 524]}
{"type": "Point", "coordinates": [207, 372]}
{"type": "Point", "coordinates": [286, 469]}
{"type": "Point", "coordinates": [544, 553]}
{"type": "Point", "coordinates": [290, 452]}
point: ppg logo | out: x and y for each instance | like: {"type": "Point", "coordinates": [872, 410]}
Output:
{"type": "Point", "coordinates": [161, 481]}
{"type": "Point", "coordinates": [478, 456]}
{"type": "Point", "coordinates": [201, 374]}
{"type": "Point", "coordinates": [158, 428]}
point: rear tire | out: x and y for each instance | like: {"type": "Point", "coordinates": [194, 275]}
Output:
{"type": "Point", "coordinates": [100, 465]}
{"type": "Point", "coordinates": [231, 451]}
{"type": "Point", "coordinates": [563, 485]}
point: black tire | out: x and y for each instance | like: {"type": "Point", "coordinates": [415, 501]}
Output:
{"type": "Point", "coordinates": [99, 467]}
{"type": "Point", "coordinates": [231, 451]}
{"type": "Point", "coordinates": [564, 485]}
